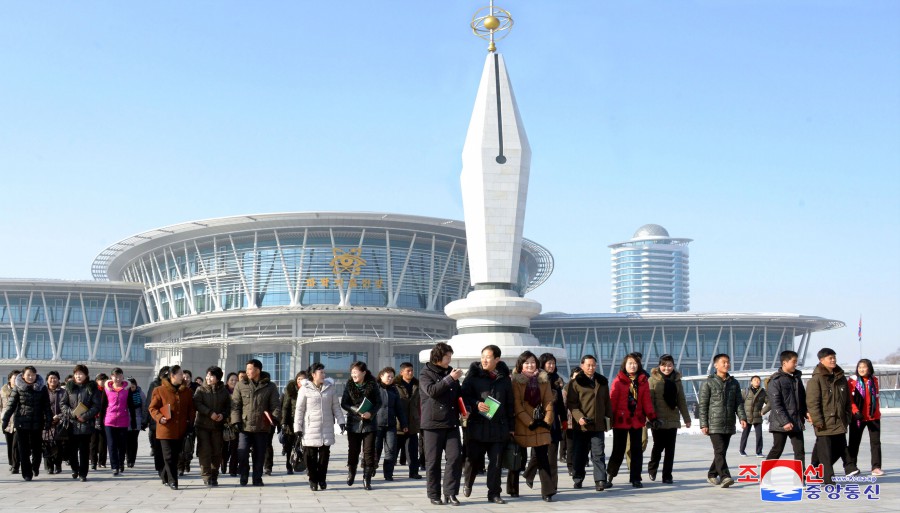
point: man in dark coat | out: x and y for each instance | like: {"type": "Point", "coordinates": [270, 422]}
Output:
{"type": "Point", "coordinates": [587, 397]}
{"type": "Point", "coordinates": [787, 408]}
{"type": "Point", "coordinates": [829, 407]}
{"type": "Point", "coordinates": [487, 383]}
{"type": "Point", "coordinates": [256, 409]}
{"type": "Point", "coordinates": [440, 423]}
{"type": "Point", "coordinates": [720, 403]}
{"type": "Point", "coordinates": [408, 389]}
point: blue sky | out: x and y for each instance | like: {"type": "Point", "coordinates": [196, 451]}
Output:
{"type": "Point", "coordinates": [767, 131]}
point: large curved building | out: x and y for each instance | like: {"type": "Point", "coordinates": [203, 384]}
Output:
{"type": "Point", "coordinates": [295, 288]}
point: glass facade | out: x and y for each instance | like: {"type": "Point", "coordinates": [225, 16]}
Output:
{"type": "Point", "coordinates": [304, 267]}
{"type": "Point", "coordinates": [753, 343]}
{"type": "Point", "coordinates": [71, 322]}
{"type": "Point", "coordinates": [277, 364]}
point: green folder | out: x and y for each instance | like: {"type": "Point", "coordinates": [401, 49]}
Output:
{"type": "Point", "coordinates": [493, 404]}
{"type": "Point", "coordinates": [364, 407]}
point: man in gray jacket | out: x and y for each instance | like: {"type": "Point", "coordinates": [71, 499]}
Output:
{"type": "Point", "coordinates": [255, 408]}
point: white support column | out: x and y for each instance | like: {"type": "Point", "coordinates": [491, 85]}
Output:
{"type": "Point", "coordinates": [137, 315]}
{"type": "Point", "coordinates": [295, 300]}
{"type": "Point", "coordinates": [399, 286]}
{"type": "Point", "coordinates": [342, 301]}
{"type": "Point", "coordinates": [99, 327]}
{"type": "Point", "coordinates": [462, 275]}
{"type": "Point", "coordinates": [210, 290]}
{"type": "Point", "coordinates": [62, 329]}
{"type": "Point", "coordinates": [598, 351]}
{"type": "Point", "coordinates": [650, 345]}
{"type": "Point", "coordinates": [87, 331]}
{"type": "Point", "coordinates": [240, 270]}
{"type": "Point", "coordinates": [190, 280]}
{"type": "Point", "coordinates": [284, 268]}
{"type": "Point", "coordinates": [747, 349]}
{"type": "Point", "coordinates": [53, 343]}
{"type": "Point", "coordinates": [390, 270]}
{"type": "Point", "coordinates": [121, 335]}
{"type": "Point", "coordinates": [12, 327]}
{"type": "Point", "coordinates": [615, 352]}
{"type": "Point", "coordinates": [440, 284]}
{"type": "Point", "coordinates": [254, 280]}
{"type": "Point", "coordinates": [431, 272]}
{"type": "Point", "coordinates": [27, 324]}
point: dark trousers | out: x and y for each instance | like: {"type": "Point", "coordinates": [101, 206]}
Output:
{"type": "Point", "coordinates": [780, 438]}
{"type": "Point", "coordinates": [856, 433]}
{"type": "Point", "coordinates": [54, 453]}
{"type": "Point", "coordinates": [12, 452]}
{"type": "Point", "coordinates": [151, 437]}
{"type": "Point", "coordinates": [570, 450]}
{"type": "Point", "coordinates": [29, 443]}
{"type": "Point", "coordinates": [542, 464]}
{"type": "Point", "coordinates": [563, 447]}
{"type": "Point", "coordinates": [745, 435]}
{"type": "Point", "coordinates": [663, 441]}
{"type": "Point", "coordinates": [209, 452]}
{"type": "Point", "coordinates": [386, 443]}
{"type": "Point", "coordinates": [232, 457]}
{"type": "Point", "coordinates": [410, 443]}
{"type": "Point", "coordinates": [829, 449]}
{"type": "Point", "coordinates": [258, 442]}
{"type": "Point", "coordinates": [131, 446]}
{"type": "Point", "coordinates": [593, 443]}
{"type": "Point", "coordinates": [317, 462]}
{"type": "Point", "coordinates": [719, 467]}
{"type": "Point", "coordinates": [436, 443]}
{"type": "Point", "coordinates": [98, 447]}
{"type": "Point", "coordinates": [79, 448]}
{"type": "Point", "coordinates": [158, 461]}
{"type": "Point", "coordinates": [475, 452]}
{"type": "Point", "coordinates": [170, 452]}
{"type": "Point", "coordinates": [620, 440]}
{"type": "Point", "coordinates": [364, 442]}
{"type": "Point", "coordinates": [115, 440]}
{"type": "Point", "coordinates": [270, 452]}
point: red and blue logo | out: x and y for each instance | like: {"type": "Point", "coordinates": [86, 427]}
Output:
{"type": "Point", "coordinates": [781, 481]}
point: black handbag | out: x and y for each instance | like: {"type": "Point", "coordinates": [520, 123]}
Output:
{"type": "Point", "coordinates": [298, 460]}
{"type": "Point", "coordinates": [513, 457]}
{"type": "Point", "coordinates": [538, 412]}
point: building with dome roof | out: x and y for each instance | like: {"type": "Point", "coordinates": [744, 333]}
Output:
{"type": "Point", "coordinates": [650, 272]}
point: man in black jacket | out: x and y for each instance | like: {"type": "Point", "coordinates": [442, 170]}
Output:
{"type": "Point", "coordinates": [487, 383]}
{"type": "Point", "coordinates": [787, 406]}
{"type": "Point", "coordinates": [440, 390]}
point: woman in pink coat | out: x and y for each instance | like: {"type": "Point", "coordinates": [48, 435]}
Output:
{"type": "Point", "coordinates": [116, 419]}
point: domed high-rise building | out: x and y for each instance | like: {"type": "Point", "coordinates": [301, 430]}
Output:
{"type": "Point", "coordinates": [650, 272]}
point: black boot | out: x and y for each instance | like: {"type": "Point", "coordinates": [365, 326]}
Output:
{"type": "Point", "coordinates": [351, 476]}
{"type": "Point", "coordinates": [367, 478]}
{"type": "Point", "coordinates": [388, 470]}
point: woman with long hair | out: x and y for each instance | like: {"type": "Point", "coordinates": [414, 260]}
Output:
{"type": "Point", "coordinates": [317, 410]}
{"type": "Point", "coordinates": [667, 396]}
{"type": "Point", "coordinates": [81, 404]}
{"type": "Point", "coordinates": [547, 364]}
{"type": "Point", "coordinates": [172, 407]}
{"type": "Point", "coordinates": [864, 398]}
{"type": "Point", "coordinates": [631, 407]}
{"type": "Point", "coordinates": [361, 401]}
{"type": "Point", "coordinates": [533, 405]}
{"type": "Point", "coordinates": [31, 406]}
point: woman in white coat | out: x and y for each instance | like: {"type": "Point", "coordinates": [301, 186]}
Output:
{"type": "Point", "coordinates": [318, 410]}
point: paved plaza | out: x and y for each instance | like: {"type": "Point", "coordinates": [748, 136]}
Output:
{"type": "Point", "coordinates": [140, 491]}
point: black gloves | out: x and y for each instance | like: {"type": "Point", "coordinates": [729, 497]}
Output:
{"type": "Point", "coordinates": [538, 423]}
{"type": "Point", "coordinates": [655, 424]}
{"type": "Point", "coordinates": [343, 427]}
{"type": "Point", "coordinates": [857, 416]}
{"type": "Point", "coordinates": [287, 429]}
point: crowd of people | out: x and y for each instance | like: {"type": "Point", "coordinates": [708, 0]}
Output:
{"type": "Point", "coordinates": [527, 420]}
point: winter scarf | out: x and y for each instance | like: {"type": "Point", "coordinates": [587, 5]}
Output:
{"type": "Point", "coordinates": [532, 389]}
{"type": "Point", "coordinates": [670, 392]}
{"type": "Point", "coordinates": [866, 386]}
{"type": "Point", "coordinates": [632, 394]}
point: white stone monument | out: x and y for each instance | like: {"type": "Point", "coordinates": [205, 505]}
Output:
{"type": "Point", "coordinates": [496, 164]}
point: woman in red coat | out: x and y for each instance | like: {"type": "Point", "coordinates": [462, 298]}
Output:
{"type": "Point", "coordinates": [864, 398]}
{"type": "Point", "coordinates": [172, 407]}
{"type": "Point", "coordinates": [631, 408]}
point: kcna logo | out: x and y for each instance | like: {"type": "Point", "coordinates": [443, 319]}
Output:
{"type": "Point", "coordinates": [781, 480]}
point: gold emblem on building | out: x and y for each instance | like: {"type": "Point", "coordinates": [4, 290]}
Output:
{"type": "Point", "coordinates": [347, 261]}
